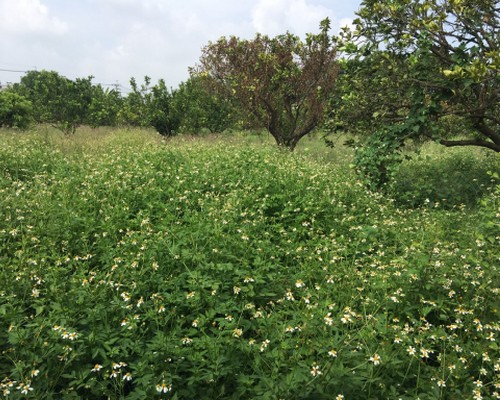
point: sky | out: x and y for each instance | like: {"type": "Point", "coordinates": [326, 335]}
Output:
{"type": "Point", "coordinates": [114, 40]}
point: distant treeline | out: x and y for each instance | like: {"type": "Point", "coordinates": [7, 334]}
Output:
{"type": "Point", "coordinates": [46, 97]}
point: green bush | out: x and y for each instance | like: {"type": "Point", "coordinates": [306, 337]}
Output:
{"type": "Point", "coordinates": [450, 178]}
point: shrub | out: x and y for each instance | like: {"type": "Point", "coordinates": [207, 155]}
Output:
{"type": "Point", "coordinates": [455, 177]}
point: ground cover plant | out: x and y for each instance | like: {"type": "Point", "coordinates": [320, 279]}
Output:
{"type": "Point", "coordinates": [202, 269]}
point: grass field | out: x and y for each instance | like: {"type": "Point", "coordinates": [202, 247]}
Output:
{"type": "Point", "coordinates": [224, 268]}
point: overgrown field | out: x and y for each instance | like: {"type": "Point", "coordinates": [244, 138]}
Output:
{"type": "Point", "coordinates": [210, 269]}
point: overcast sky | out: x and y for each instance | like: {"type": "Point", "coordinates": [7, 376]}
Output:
{"type": "Point", "coordinates": [114, 40]}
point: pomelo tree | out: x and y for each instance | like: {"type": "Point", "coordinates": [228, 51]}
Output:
{"type": "Point", "coordinates": [416, 63]}
{"type": "Point", "coordinates": [57, 100]}
{"type": "Point", "coordinates": [15, 110]}
{"type": "Point", "coordinates": [421, 69]}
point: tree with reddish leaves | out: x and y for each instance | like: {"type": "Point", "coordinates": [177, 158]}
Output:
{"type": "Point", "coordinates": [282, 83]}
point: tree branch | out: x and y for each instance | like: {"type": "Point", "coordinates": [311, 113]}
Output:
{"type": "Point", "coordinates": [470, 142]}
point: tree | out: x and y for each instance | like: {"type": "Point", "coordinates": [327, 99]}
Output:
{"type": "Point", "coordinates": [15, 110]}
{"type": "Point", "coordinates": [150, 106]}
{"type": "Point", "coordinates": [199, 108]}
{"type": "Point", "coordinates": [134, 110]}
{"type": "Point", "coordinates": [104, 107]}
{"type": "Point", "coordinates": [372, 103]}
{"type": "Point", "coordinates": [282, 82]}
{"type": "Point", "coordinates": [418, 65]}
{"type": "Point", "coordinates": [161, 115]}
{"type": "Point", "coordinates": [57, 100]}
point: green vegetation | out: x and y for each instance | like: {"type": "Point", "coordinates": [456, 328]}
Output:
{"type": "Point", "coordinates": [415, 65]}
{"type": "Point", "coordinates": [15, 111]}
{"type": "Point", "coordinates": [218, 266]}
{"type": "Point", "coordinates": [134, 267]}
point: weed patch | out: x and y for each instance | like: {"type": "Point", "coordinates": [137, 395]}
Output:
{"type": "Point", "coordinates": [209, 270]}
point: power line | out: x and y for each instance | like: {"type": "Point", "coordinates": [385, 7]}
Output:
{"type": "Point", "coordinates": [12, 70]}
{"type": "Point", "coordinates": [117, 85]}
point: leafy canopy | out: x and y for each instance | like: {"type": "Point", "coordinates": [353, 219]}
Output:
{"type": "Point", "coordinates": [148, 105]}
{"type": "Point", "coordinates": [418, 63]}
{"type": "Point", "coordinates": [200, 108]}
{"type": "Point", "coordinates": [57, 100]}
{"type": "Point", "coordinates": [281, 82]}
{"type": "Point", "coordinates": [105, 107]}
{"type": "Point", "coordinates": [15, 110]}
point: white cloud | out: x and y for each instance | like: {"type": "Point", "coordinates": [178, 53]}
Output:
{"type": "Point", "coordinates": [28, 16]}
{"type": "Point", "coordinates": [114, 40]}
{"type": "Point", "coordinates": [119, 53]}
{"type": "Point", "coordinates": [298, 16]}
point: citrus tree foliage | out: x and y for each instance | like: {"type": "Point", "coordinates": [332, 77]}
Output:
{"type": "Point", "coordinates": [15, 110]}
{"type": "Point", "coordinates": [57, 100]}
{"type": "Point", "coordinates": [200, 108]}
{"type": "Point", "coordinates": [281, 82]}
{"type": "Point", "coordinates": [161, 114]}
{"type": "Point", "coordinates": [150, 106]}
{"type": "Point", "coordinates": [105, 107]}
{"type": "Point", "coordinates": [423, 68]}
{"type": "Point", "coordinates": [134, 110]}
